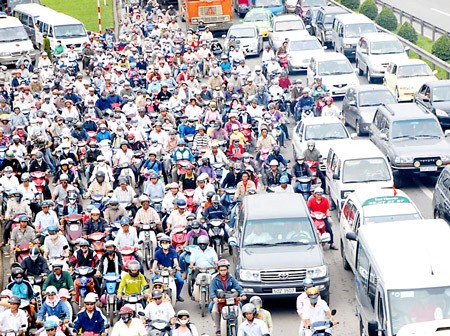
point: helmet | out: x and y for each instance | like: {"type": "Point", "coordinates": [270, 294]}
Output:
{"type": "Point", "coordinates": [14, 299]}
{"type": "Point", "coordinates": [157, 294]}
{"type": "Point", "coordinates": [215, 199]}
{"type": "Point", "coordinates": [125, 310]}
{"type": "Point", "coordinates": [110, 243]}
{"type": "Point", "coordinates": [158, 282]}
{"type": "Point", "coordinates": [134, 265]}
{"type": "Point", "coordinates": [91, 297]}
{"type": "Point", "coordinates": [34, 253]}
{"type": "Point", "coordinates": [64, 292]}
{"type": "Point", "coordinates": [100, 173]}
{"type": "Point", "coordinates": [50, 324]}
{"type": "Point", "coordinates": [237, 166]}
{"type": "Point", "coordinates": [181, 142]}
{"type": "Point", "coordinates": [223, 262]}
{"type": "Point", "coordinates": [273, 163]}
{"type": "Point", "coordinates": [181, 203]}
{"type": "Point", "coordinates": [313, 294]}
{"type": "Point", "coordinates": [52, 228]}
{"type": "Point", "coordinates": [203, 240]}
{"type": "Point", "coordinates": [257, 302]}
{"type": "Point", "coordinates": [83, 242]}
{"type": "Point", "coordinates": [51, 290]}
{"type": "Point", "coordinates": [144, 198]}
{"type": "Point", "coordinates": [16, 271]}
{"type": "Point", "coordinates": [23, 218]}
{"type": "Point", "coordinates": [165, 239]}
{"type": "Point", "coordinates": [318, 190]}
{"type": "Point", "coordinates": [248, 308]}
{"type": "Point", "coordinates": [308, 282]}
{"type": "Point", "coordinates": [63, 177]}
{"type": "Point", "coordinates": [182, 313]}
{"type": "Point", "coordinates": [284, 179]}
{"type": "Point", "coordinates": [306, 90]}
{"type": "Point", "coordinates": [311, 143]}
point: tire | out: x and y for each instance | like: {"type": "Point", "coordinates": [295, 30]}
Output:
{"type": "Point", "coordinates": [360, 72]}
{"type": "Point", "coordinates": [398, 181]}
{"type": "Point", "coordinates": [203, 303]}
{"type": "Point", "coordinates": [345, 263]}
{"type": "Point", "coordinates": [111, 314]}
{"type": "Point", "coordinates": [361, 327]}
{"type": "Point", "coordinates": [437, 214]}
{"type": "Point", "coordinates": [232, 330]}
{"type": "Point", "coordinates": [397, 94]}
{"type": "Point", "coordinates": [344, 119]}
{"type": "Point", "coordinates": [147, 258]}
{"type": "Point", "coordinates": [358, 128]}
{"type": "Point", "coordinates": [369, 78]}
{"type": "Point", "coordinates": [189, 285]}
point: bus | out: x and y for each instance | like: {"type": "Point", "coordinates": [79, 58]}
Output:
{"type": "Point", "coordinates": [216, 14]}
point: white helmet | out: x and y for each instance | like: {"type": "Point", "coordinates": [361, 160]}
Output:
{"type": "Point", "coordinates": [91, 297]}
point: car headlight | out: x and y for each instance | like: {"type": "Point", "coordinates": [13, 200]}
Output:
{"type": "Point", "coordinates": [378, 68]}
{"type": "Point", "coordinates": [406, 87]}
{"type": "Point", "coordinates": [441, 113]}
{"type": "Point", "coordinates": [317, 272]}
{"type": "Point", "coordinates": [5, 54]}
{"type": "Point", "coordinates": [249, 275]}
{"type": "Point", "coordinates": [403, 159]}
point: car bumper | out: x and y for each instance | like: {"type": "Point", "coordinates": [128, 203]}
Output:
{"type": "Point", "coordinates": [424, 170]}
{"type": "Point", "coordinates": [242, 10]}
{"type": "Point", "coordinates": [251, 51]}
{"type": "Point", "coordinates": [283, 290]}
{"type": "Point", "coordinates": [215, 26]}
{"type": "Point", "coordinates": [350, 52]}
{"type": "Point", "coordinates": [406, 95]}
{"type": "Point", "coordinates": [14, 57]}
{"type": "Point", "coordinates": [338, 92]}
{"type": "Point", "coordinates": [298, 66]}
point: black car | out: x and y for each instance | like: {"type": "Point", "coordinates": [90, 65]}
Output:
{"type": "Point", "coordinates": [441, 196]}
{"type": "Point", "coordinates": [435, 97]}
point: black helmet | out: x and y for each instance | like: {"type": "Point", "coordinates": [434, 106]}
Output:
{"type": "Point", "coordinates": [195, 225]}
{"type": "Point", "coordinates": [14, 299]}
{"type": "Point", "coordinates": [276, 149]}
{"type": "Point", "coordinates": [210, 194]}
{"type": "Point", "coordinates": [16, 271]}
{"type": "Point", "coordinates": [100, 174]}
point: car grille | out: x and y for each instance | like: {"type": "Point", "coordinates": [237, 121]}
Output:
{"type": "Point", "coordinates": [210, 10]}
{"type": "Point", "coordinates": [283, 275]}
{"type": "Point", "coordinates": [15, 54]}
{"type": "Point", "coordinates": [427, 161]}
{"type": "Point", "coordinates": [340, 86]}
{"type": "Point", "coordinates": [77, 45]}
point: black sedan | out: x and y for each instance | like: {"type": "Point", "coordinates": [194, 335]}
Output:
{"type": "Point", "coordinates": [435, 97]}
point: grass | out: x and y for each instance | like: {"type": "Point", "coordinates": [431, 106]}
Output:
{"type": "Point", "coordinates": [85, 11]}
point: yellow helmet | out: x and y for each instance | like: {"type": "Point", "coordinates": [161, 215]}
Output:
{"type": "Point", "coordinates": [312, 291]}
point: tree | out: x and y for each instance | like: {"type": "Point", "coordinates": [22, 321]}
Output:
{"type": "Point", "coordinates": [441, 48]}
{"type": "Point", "coordinates": [369, 9]}
{"type": "Point", "coordinates": [351, 4]}
{"type": "Point", "coordinates": [387, 19]}
{"type": "Point", "coordinates": [408, 32]}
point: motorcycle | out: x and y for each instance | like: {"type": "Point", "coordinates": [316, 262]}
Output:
{"type": "Point", "coordinates": [39, 180]}
{"type": "Point", "coordinates": [167, 276]}
{"type": "Point", "coordinates": [307, 112]}
{"type": "Point", "coordinates": [111, 283]}
{"type": "Point", "coordinates": [159, 328]}
{"type": "Point", "coordinates": [201, 288]}
{"type": "Point", "coordinates": [229, 198]}
{"type": "Point", "coordinates": [36, 282]}
{"type": "Point", "coordinates": [127, 253]}
{"type": "Point", "coordinates": [73, 228]}
{"type": "Point", "coordinates": [319, 328]}
{"type": "Point", "coordinates": [97, 240]}
{"type": "Point", "coordinates": [189, 193]}
{"type": "Point", "coordinates": [219, 171]}
{"type": "Point", "coordinates": [82, 153]}
{"type": "Point", "coordinates": [216, 233]}
{"type": "Point", "coordinates": [283, 60]}
{"type": "Point", "coordinates": [148, 236]}
{"type": "Point", "coordinates": [247, 132]}
{"type": "Point", "coordinates": [98, 201]}
{"type": "Point", "coordinates": [156, 204]}
{"type": "Point", "coordinates": [264, 153]}
{"type": "Point", "coordinates": [3, 150]}
{"type": "Point", "coordinates": [84, 283]}
{"type": "Point", "coordinates": [304, 186]}
{"type": "Point", "coordinates": [230, 312]}
{"type": "Point", "coordinates": [22, 251]}
{"type": "Point", "coordinates": [178, 238]}
{"type": "Point", "coordinates": [134, 301]}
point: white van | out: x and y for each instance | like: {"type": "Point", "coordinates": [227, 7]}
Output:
{"type": "Point", "coordinates": [61, 27]}
{"type": "Point", "coordinates": [13, 40]}
{"type": "Point", "coordinates": [402, 275]}
{"type": "Point", "coordinates": [28, 14]}
{"type": "Point", "coordinates": [350, 168]}
{"type": "Point", "coordinates": [346, 31]}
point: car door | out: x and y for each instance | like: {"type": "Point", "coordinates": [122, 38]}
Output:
{"type": "Point", "coordinates": [375, 128]}
{"type": "Point", "coordinates": [422, 97]}
{"type": "Point", "coordinates": [351, 107]}
{"type": "Point", "coordinates": [356, 223]}
{"type": "Point", "coordinates": [389, 76]}
{"type": "Point", "coordinates": [298, 138]}
{"type": "Point", "coordinates": [346, 226]}
{"type": "Point", "coordinates": [333, 170]}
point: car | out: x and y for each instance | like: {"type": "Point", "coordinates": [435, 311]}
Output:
{"type": "Point", "coordinates": [435, 97]}
{"type": "Point", "coordinates": [286, 27]}
{"type": "Point", "coordinates": [404, 78]}
{"type": "Point", "coordinates": [324, 22]}
{"type": "Point", "coordinates": [375, 51]}
{"type": "Point", "coordinates": [441, 196]}
{"type": "Point", "coordinates": [310, 20]}
{"type": "Point", "coordinates": [335, 70]}
{"type": "Point", "coordinates": [290, 6]}
{"type": "Point", "coordinates": [304, 5]}
{"type": "Point", "coordinates": [250, 38]}
{"type": "Point", "coordinates": [412, 140]}
{"type": "Point", "coordinates": [241, 7]}
{"type": "Point", "coordinates": [277, 247]}
{"type": "Point", "coordinates": [360, 103]}
{"type": "Point", "coordinates": [261, 18]}
{"type": "Point", "coordinates": [300, 50]}
{"type": "Point", "coordinates": [372, 206]}
{"type": "Point", "coordinates": [275, 6]}
{"type": "Point", "coordinates": [325, 131]}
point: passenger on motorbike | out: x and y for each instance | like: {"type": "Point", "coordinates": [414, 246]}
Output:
{"type": "Point", "coordinates": [113, 211]}
{"type": "Point", "coordinates": [262, 313]}
{"type": "Point", "coordinates": [127, 325]}
{"type": "Point", "coordinates": [91, 318]}
{"type": "Point", "coordinates": [52, 306]}
{"type": "Point", "coordinates": [284, 186]}
{"type": "Point", "coordinates": [35, 265]}
{"type": "Point", "coordinates": [14, 318]}
{"type": "Point", "coordinates": [54, 244]}
{"type": "Point", "coordinates": [316, 310]}
{"type": "Point", "coordinates": [159, 309]}
{"type": "Point", "coordinates": [252, 325]}
{"type": "Point", "coordinates": [19, 286]}
{"type": "Point", "coordinates": [302, 299]}
{"type": "Point", "coordinates": [21, 234]}
{"type": "Point", "coordinates": [272, 175]}
{"type": "Point", "coordinates": [183, 325]}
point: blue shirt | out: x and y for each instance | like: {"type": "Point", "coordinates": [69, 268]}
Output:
{"type": "Point", "coordinates": [166, 260]}
{"type": "Point", "coordinates": [204, 259]}
{"type": "Point", "coordinates": [95, 324]}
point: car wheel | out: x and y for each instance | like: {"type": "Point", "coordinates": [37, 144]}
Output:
{"type": "Point", "coordinates": [397, 93]}
{"type": "Point", "coordinates": [437, 214]}
{"type": "Point", "coordinates": [358, 128]}
{"type": "Point", "coordinates": [361, 327]}
{"type": "Point", "coordinates": [360, 72]}
{"type": "Point", "coordinates": [369, 78]}
{"type": "Point", "coordinates": [344, 119]}
{"type": "Point", "coordinates": [345, 263]}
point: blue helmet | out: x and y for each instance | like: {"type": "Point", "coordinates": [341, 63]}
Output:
{"type": "Point", "coordinates": [308, 282]}
{"type": "Point", "coordinates": [284, 179]}
{"type": "Point", "coordinates": [183, 67]}
{"type": "Point", "coordinates": [181, 203]}
{"type": "Point", "coordinates": [125, 220]}
{"type": "Point", "coordinates": [181, 142]}
{"type": "Point", "coordinates": [50, 324]}
{"type": "Point", "coordinates": [52, 228]}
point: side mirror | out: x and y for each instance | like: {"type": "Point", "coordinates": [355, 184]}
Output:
{"type": "Point", "coordinates": [363, 51]}
{"type": "Point", "coordinates": [141, 313]}
{"type": "Point", "coordinates": [372, 327]}
{"type": "Point", "coordinates": [434, 72]}
{"type": "Point", "coordinates": [351, 236]}
{"type": "Point", "coordinates": [65, 247]}
{"type": "Point", "coordinates": [232, 241]}
{"type": "Point", "coordinates": [270, 30]}
{"type": "Point", "coordinates": [107, 325]}
{"type": "Point", "coordinates": [146, 287]}
{"type": "Point", "coordinates": [355, 70]}
{"type": "Point", "coordinates": [324, 47]}
{"type": "Point", "coordinates": [447, 133]}
{"type": "Point", "coordinates": [140, 242]}
{"type": "Point", "coordinates": [335, 177]}
{"type": "Point", "coordinates": [333, 312]}
{"type": "Point", "coordinates": [383, 136]}
{"type": "Point", "coordinates": [407, 49]}
{"type": "Point", "coordinates": [353, 135]}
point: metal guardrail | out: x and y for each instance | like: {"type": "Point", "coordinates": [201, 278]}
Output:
{"type": "Point", "coordinates": [403, 16]}
{"type": "Point", "coordinates": [422, 54]}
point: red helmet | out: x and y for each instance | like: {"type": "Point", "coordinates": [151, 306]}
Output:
{"type": "Point", "coordinates": [125, 310]}
{"type": "Point", "coordinates": [130, 136]}
{"type": "Point", "coordinates": [223, 262]}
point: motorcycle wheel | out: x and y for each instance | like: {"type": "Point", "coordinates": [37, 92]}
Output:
{"type": "Point", "coordinates": [231, 330]}
{"type": "Point", "coordinates": [147, 257]}
{"type": "Point", "coordinates": [111, 313]}
{"type": "Point", "coordinates": [190, 286]}
{"type": "Point", "coordinates": [203, 302]}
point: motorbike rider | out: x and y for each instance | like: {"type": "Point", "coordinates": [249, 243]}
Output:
{"type": "Point", "coordinates": [302, 299]}
{"type": "Point", "coordinates": [127, 325]}
{"type": "Point", "coordinates": [113, 211]}
{"type": "Point", "coordinates": [304, 101]}
{"type": "Point", "coordinates": [21, 234]}
{"type": "Point", "coordinates": [58, 278]}
{"type": "Point", "coordinates": [125, 194]}
{"type": "Point", "coordinates": [94, 224]}
{"type": "Point", "coordinates": [132, 282]}
{"type": "Point", "coordinates": [111, 261]}
{"type": "Point", "coordinates": [54, 244]}
{"type": "Point", "coordinates": [99, 186]}
{"type": "Point", "coordinates": [15, 205]}
{"type": "Point", "coordinates": [52, 306]}
{"type": "Point", "coordinates": [84, 256]}
{"type": "Point", "coordinates": [299, 169]}
{"type": "Point", "coordinates": [205, 257]}
{"type": "Point", "coordinates": [251, 325]}
{"type": "Point", "coordinates": [284, 186]}
{"type": "Point", "coordinates": [203, 187]}
{"type": "Point", "coordinates": [91, 318]}
{"type": "Point", "coordinates": [174, 193]}
{"type": "Point", "coordinates": [14, 318]}
{"type": "Point", "coordinates": [183, 326]}
{"type": "Point", "coordinates": [51, 328]}
{"type": "Point", "coordinates": [215, 210]}
{"type": "Point", "coordinates": [311, 153]}
{"type": "Point", "coordinates": [20, 286]}
{"type": "Point", "coordinates": [188, 179]}
{"type": "Point", "coordinates": [159, 309]}
{"type": "Point", "coordinates": [272, 175]}
{"type": "Point", "coordinates": [316, 310]}
{"type": "Point", "coordinates": [321, 204]}
{"type": "Point", "coordinates": [223, 281]}
{"type": "Point", "coordinates": [276, 155]}
{"type": "Point", "coordinates": [154, 188]}
{"type": "Point", "coordinates": [262, 313]}
{"type": "Point", "coordinates": [167, 257]}
{"type": "Point", "coordinates": [146, 214]}
{"type": "Point", "coordinates": [35, 265]}
{"type": "Point", "coordinates": [181, 153]}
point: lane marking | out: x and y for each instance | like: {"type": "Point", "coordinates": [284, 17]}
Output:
{"type": "Point", "coordinates": [441, 12]}
{"type": "Point", "coordinates": [424, 189]}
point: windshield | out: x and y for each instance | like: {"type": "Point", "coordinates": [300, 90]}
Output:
{"type": "Point", "coordinates": [328, 21]}
{"type": "Point", "coordinates": [289, 25]}
{"type": "Point", "coordinates": [304, 45]}
{"type": "Point", "coordinates": [376, 98]}
{"type": "Point", "coordinates": [242, 32]}
{"type": "Point", "coordinates": [325, 132]}
{"type": "Point", "coordinates": [67, 31]}
{"type": "Point", "coordinates": [12, 34]}
{"type": "Point", "coordinates": [386, 47]}
{"type": "Point", "coordinates": [417, 128]}
{"type": "Point", "coordinates": [268, 3]}
{"type": "Point", "coordinates": [336, 67]}
{"type": "Point", "coordinates": [357, 29]}
{"type": "Point", "coordinates": [365, 170]}
{"type": "Point", "coordinates": [441, 94]}
{"type": "Point", "coordinates": [256, 17]}
{"type": "Point", "coordinates": [413, 70]}
{"type": "Point", "coordinates": [314, 3]}
{"type": "Point", "coordinates": [278, 231]}
{"type": "Point", "coordinates": [418, 305]}
{"type": "Point", "coordinates": [392, 218]}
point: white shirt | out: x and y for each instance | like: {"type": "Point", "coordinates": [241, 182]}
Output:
{"type": "Point", "coordinates": [54, 248]}
{"type": "Point", "coordinates": [317, 313]}
{"type": "Point", "coordinates": [200, 194]}
{"type": "Point", "coordinates": [164, 311]}
{"type": "Point", "coordinates": [126, 239]}
{"type": "Point", "coordinates": [43, 221]}
{"type": "Point", "coordinates": [288, 190]}
{"type": "Point", "coordinates": [14, 322]}
{"type": "Point", "coordinates": [256, 328]}
{"type": "Point", "coordinates": [136, 328]}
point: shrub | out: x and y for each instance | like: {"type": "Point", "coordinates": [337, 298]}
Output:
{"type": "Point", "coordinates": [351, 4]}
{"type": "Point", "coordinates": [408, 32]}
{"type": "Point", "coordinates": [387, 19]}
{"type": "Point", "coordinates": [369, 9]}
{"type": "Point", "coordinates": [441, 48]}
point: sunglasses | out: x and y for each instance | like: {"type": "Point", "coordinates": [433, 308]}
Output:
{"type": "Point", "coordinates": [89, 304]}
{"type": "Point", "coordinates": [51, 329]}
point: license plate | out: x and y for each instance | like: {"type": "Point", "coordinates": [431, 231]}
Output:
{"type": "Point", "coordinates": [428, 169]}
{"type": "Point", "coordinates": [283, 290]}
{"type": "Point", "coordinates": [230, 301]}
{"type": "Point", "coordinates": [73, 227]}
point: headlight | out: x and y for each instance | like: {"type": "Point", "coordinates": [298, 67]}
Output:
{"type": "Point", "coordinates": [243, 6]}
{"type": "Point", "coordinates": [403, 159]}
{"type": "Point", "coordinates": [5, 54]}
{"type": "Point", "coordinates": [348, 46]}
{"type": "Point", "coordinates": [194, 20]}
{"type": "Point", "coordinates": [249, 275]}
{"type": "Point", "coordinates": [378, 68]}
{"type": "Point", "coordinates": [406, 87]}
{"type": "Point", "coordinates": [317, 272]}
{"type": "Point", "coordinates": [441, 113]}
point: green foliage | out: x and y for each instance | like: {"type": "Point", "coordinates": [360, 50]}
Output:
{"type": "Point", "coordinates": [441, 48]}
{"type": "Point", "coordinates": [369, 9]}
{"type": "Point", "coordinates": [408, 32]}
{"type": "Point", "coordinates": [387, 19]}
{"type": "Point", "coordinates": [351, 4]}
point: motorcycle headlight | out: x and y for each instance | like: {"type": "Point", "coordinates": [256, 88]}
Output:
{"type": "Point", "coordinates": [317, 272]}
{"type": "Point", "coordinates": [249, 275]}
{"type": "Point", "coordinates": [403, 159]}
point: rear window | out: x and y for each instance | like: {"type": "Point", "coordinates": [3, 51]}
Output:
{"type": "Point", "coordinates": [365, 170]}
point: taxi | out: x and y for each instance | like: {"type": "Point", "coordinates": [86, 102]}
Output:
{"type": "Point", "coordinates": [372, 206]}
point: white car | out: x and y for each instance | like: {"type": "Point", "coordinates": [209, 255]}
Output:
{"type": "Point", "coordinates": [251, 40]}
{"type": "Point", "coordinates": [404, 78]}
{"type": "Point", "coordinates": [368, 206]}
{"type": "Point", "coordinates": [286, 27]}
{"type": "Point", "coordinates": [300, 50]}
{"type": "Point", "coordinates": [335, 70]}
{"type": "Point", "coordinates": [325, 131]}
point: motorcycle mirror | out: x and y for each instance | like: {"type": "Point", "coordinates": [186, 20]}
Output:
{"type": "Point", "coordinates": [62, 315]}
{"type": "Point", "coordinates": [71, 325]}
{"type": "Point", "coordinates": [141, 313]}
{"type": "Point", "coordinates": [146, 287]}
{"type": "Point", "coordinates": [65, 247]}
{"type": "Point", "coordinates": [288, 161]}
{"type": "Point", "coordinates": [107, 325]}
{"type": "Point", "coordinates": [333, 312]}
{"type": "Point", "coordinates": [140, 242]}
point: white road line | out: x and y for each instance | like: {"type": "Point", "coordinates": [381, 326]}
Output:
{"type": "Point", "coordinates": [424, 189]}
{"type": "Point", "coordinates": [441, 12]}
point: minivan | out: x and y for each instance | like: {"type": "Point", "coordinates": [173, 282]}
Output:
{"type": "Point", "coordinates": [13, 40]}
{"type": "Point", "coordinates": [349, 168]}
{"type": "Point", "coordinates": [277, 247]}
{"type": "Point", "coordinates": [347, 30]}
{"type": "Point", "coordinates": [401, 275]}
{"type": "Point", "coordinates": [324, 22]}
{"type": "Point", "coordinates": [441, 196]}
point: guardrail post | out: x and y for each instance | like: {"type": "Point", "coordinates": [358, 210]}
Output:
{"type": "Point", "coordinates": [433, 32]}
{"type": "Point", "coordinates": [401, 17]}
{"type": "Point", "coordinates": [421, 27]}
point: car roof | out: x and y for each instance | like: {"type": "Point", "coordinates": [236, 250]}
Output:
{"type": "Point", "coordinates": [321, 120]}
{"type": "Point", "coordinates": [332, 9]}
{"type": "Point", "coordinates": [361, 149]}
{"type": "Point", "coordinates": [352, 18]}
{"type": "Point", "coordinates": [381, 36]}
{"type": "Point", "coordinates": [303, 38]}
{"type": "Point", "coordinates": [243, 25]}
{"type": "Point", "coordinates": [409, 254]}
{"type": "Point", "coordinates": [369, 87]}
{"type": "Point", "coordinates": [288, 17]}
{"type": "Point", "coordinates": [259, 10]}
{"type": "Point", "coordinates": [261, 206]}
{"type": "Point", "coordinates": [408, 61]}
{"type": "Point", "coordinates": [406, 111]}
{"type": "Point", "coordinates": [439, 83]}
{"type": "Point", "coordinates": [329, 56]}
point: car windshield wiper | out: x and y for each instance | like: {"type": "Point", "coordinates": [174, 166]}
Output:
{"type": "Point", "coordinates": [427, 136]}
{"type": "Point", "coordinates": [340, 73]}
{"type": "Point", "coordinates": [403, 137]}
{"type": "Point", "coordinates": [334, 137]}
{"type": "Point", "coordinates": [259, 244]}
{"type": "Point", "coordinates": [374, 104]}
{"type": "Point", "coordinates": [294, 243]}
{"type": "Point", "coordinates": [376, 180]}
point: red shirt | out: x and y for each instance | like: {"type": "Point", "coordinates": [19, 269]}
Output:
{"type": "Point", "coordinates": [323, 206]}
{"type": "Point", "coordinates": [284, 83]}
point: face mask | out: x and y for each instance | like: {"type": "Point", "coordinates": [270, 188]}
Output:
{"type": "Point", "coordinates": [84, 249]}
{"type": "Point", "coordinates": [8, 174]}
{"type": "Point", "coordinates": [17, 199]}
{"type": "Point", "coordinates": [119, 133]}
{"type": "Point", "coordinates": [101, 164]}
{"type": "Point", "coordinates": [125, 319]}
{"type": "Point", "coordinates": [165, 246]}
{"type": "Point", "coordinates": [66, 151]}
{"type": "Point", "coordinates": [19, 280]}
{"type": "Point", "coordinates": [300, 162]}
{"type": "Point", "coordinates": [196, 230]}
{"type": "Point", "coordinates": [72, 201]}
{"type": "Point", "coordinates": [54, 237]}
{"type": "Point", "coordinates": [246, 159]}
{"type": "Point", "coordinates": [103, 130]}
{"type": "Point", "coordinates": [310, 148]}
{"type": "Point", "coordinates": [184, 322]}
